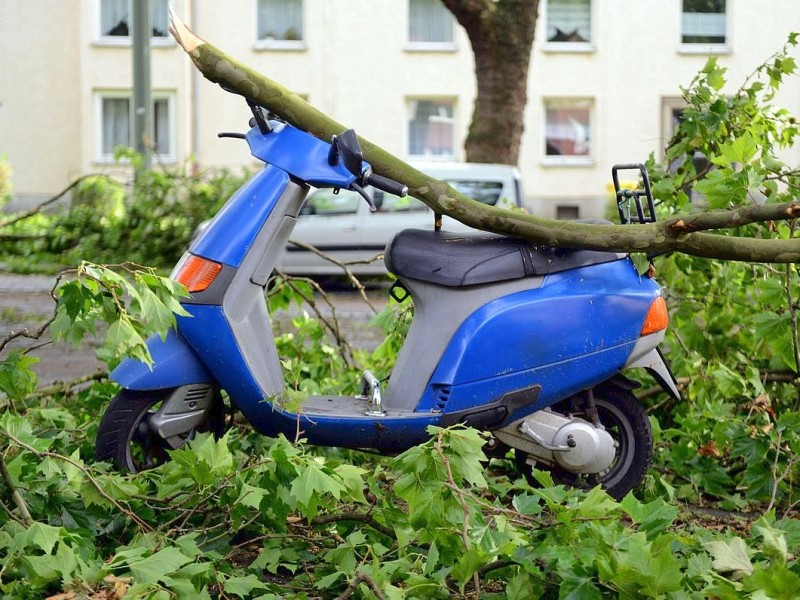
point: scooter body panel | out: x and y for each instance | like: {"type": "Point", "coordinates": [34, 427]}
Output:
{"type": "Point", "coordinates": [300, 154]}
{"type": "Point", "coordinates": [175, 363]}
{"type": "Point", "coordinates": [326, 420]}
{"type": "Point", "coordinates": [231, 233]}
{"type": "Point", "coordinates": [520, 340]}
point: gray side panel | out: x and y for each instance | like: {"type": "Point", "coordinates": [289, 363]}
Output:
{"type": "Point", "coordinates": [438, 313]}
{"type": "Point", "coordinates": [244, 303]}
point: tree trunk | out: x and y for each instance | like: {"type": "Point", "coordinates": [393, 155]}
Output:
{"type": "Point", "coordinates": [677, 234]}
{"type": "Point", "coordinates": [501, 35]}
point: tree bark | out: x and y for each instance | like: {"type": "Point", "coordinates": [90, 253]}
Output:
{"type": "Point", "coordinates": [679, 234]}
{"type": "Point", "coordinates": [501, 36]}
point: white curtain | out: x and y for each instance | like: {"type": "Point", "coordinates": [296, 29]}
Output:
{"type": "Point", "coordinates": [161, 134]}
{"type": "Point", "coordinates": [429, 21]}
{"type": "Point", "coordinates": [159, 17]}
{"type": "Point", "coordinates": [114, 17]}
{"type": "Point", "coordinates": [116, 124]}
{"type": "Point", "coordinates": [280, 20]}
{"type": "Point", "coordinates": [569, 21]}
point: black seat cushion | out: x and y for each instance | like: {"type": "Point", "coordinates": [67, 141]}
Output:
{"type": "Point", "coordinates": [459, 259]}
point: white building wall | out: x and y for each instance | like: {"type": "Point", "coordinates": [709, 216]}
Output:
{"type": "Point", "coordinates": [41, 130]}
{"type": "Point", "coordinates": [356, 66]}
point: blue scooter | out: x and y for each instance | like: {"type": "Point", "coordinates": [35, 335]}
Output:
{"type": "Point", "coordinates": [525, 342]}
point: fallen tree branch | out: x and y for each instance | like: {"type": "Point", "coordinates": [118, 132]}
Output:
{"type": "Point", "coordinates": [19, 500]}
{"type": "Point", "coordinates": [684, 234]}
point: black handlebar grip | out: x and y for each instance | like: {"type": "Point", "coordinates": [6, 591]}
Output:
{"type": "Point", "coordinates": [387, 185]}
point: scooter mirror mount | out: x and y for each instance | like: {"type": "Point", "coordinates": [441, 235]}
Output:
{"type": "Point", "coordinates": [346, 147]}
{"type": "Point", "coordinates": [259, 118]}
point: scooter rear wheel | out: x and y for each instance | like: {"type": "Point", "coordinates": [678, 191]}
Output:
{"type": "Point", "coordinates": [126, 438]}
{"type": "Point", "coordinates": [626, 420]}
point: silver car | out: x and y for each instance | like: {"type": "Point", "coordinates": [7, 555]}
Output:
{"type": "Point", "coordinates": [341, 227]}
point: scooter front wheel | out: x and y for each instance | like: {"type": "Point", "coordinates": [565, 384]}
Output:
{"type": "Point", "coordinates": [622, 415]}
{"type": "Point", "coordinates": [126, 438]}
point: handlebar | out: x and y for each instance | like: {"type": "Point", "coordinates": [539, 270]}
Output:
{"type": "Point", "coordinates": [385, 184]}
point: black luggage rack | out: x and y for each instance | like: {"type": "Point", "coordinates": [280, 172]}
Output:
{"type": "Point", "coordinates": [626, 199]}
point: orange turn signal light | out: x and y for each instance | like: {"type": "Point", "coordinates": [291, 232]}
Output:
{"type": "Point", "coordinates": [197, 273]}
{"type": "Point", "coordinates": [657, 317]}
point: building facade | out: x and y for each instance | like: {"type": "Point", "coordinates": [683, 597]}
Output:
{"type": "Point", "coordinates": [603, 86]}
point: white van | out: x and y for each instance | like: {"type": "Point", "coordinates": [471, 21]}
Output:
{"type": "Point", "coordinates": [341, 226]}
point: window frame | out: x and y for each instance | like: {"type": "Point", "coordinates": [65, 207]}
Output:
{"type": "Point", "coordinates": [430, 46]}
{"type": "Point", "coordinates": [570, 47]}
{"type": "Point", "coordinates": [267, 44]}
{"type": "Point", "coordinates": [569, 160]}
{"type": "Point", "coordinates": [100, 157]}
{"type": "Point", "coordinates": [430, 157]}
{"type": "Point", "coordinates": [705, 47]}
{"type": "Point", "coordinates": [124, 40]}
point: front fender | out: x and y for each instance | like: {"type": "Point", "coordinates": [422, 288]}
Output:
{"type": "Point", "coordinates": [175, 363]}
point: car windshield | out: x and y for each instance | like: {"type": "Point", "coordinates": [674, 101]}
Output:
{"type": "Point", "coordinates": [327, 202]}
{"type": "Point", "coordinates": [487, 192]}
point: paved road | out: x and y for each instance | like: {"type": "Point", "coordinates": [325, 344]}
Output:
{"type": "Point", "coordinates": [25, 302]}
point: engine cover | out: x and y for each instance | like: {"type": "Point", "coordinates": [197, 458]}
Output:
{"type": "Point", "coordinates": [569, 442]}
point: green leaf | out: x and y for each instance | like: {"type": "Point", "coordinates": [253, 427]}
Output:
{"type": "Point", "coordinates": [158, 566]}
{"type": "Point", "coordinates": [251, 496]}
{"type": "Point", "coordinates": [731, 556]}
{"type": "Point", "coordinates": [774, 543]}
{"type": "Point", "coordinates": [578, 587]}
{"type": "Point", "coordinates": [42, 536]}
{"type": "Point", "coordinates": [313, 481]}
{"type": "Point", "coordinates": [597, 504]}
{"type": "Point", "coordinates": [653, 517]}
{"type": "Point", "coordinates": [17, 379]}
{"type": "Point", "coordinates": [776, 581]}
{"type": "Point", "coordinates": [243, 586]}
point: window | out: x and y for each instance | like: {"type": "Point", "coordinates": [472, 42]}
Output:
{"type": "Point", "coordinates": [568, 213]}
{"type": "Point", "coordinates": [430, 25]}
{"type": "Point", "coordinates": [568, 131]}
{"type": "Point", "coordinates": [704, 22]}
{"type": "Point", "coordinates": [115, 19]}
{"type": "Point", "coordinates": [569, 22]}
{"type": "Point", "coordinates": [280, 23]}
{"type": "Point", "coordinates": [430, 128]}
{"type": "Point", "coordinates": [116, 125]}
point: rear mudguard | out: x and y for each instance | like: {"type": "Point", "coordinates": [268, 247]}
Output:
{"type": "Point", "coordinates": [175, 363]}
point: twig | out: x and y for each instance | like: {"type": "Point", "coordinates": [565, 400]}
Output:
{"type": "Point", "coordinates": [45, 454]}
{"type": "Point", "coordinates": [360, 578]}
{"type": "Point", "coordinates": [40, 331]}
{"type": "Point", "coordinates": [353, 516]}
{"type": "Point", "coordinates": [66, 387]}
{"type": "Point", "coordinates": [15, 495]}
{"type": "Point", "coordinates": [37, 209]}
{"type": "Point", "coordinates": [460, 496]}
{"type": "Point", "coordinates": [345, 266]}
{"type": "Point", "coordinates": [11, 514]}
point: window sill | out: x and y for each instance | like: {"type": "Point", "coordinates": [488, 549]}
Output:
{"type": "Point", "coordinates": [704, 49]}
{"type": "Point", "coordinates": [126, 42]}
{"type": "Point", "coordinates": [568, 161]}
{"type": "Point", "coordinates": [431, 157]}
{"type": "Point", "coordinates": [569, 48]}
{"type": "Point", "coordinates": [430, 47]}
{"type": "Point", "coordinates": [281, 45]}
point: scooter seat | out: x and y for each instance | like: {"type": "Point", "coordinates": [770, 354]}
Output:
{"type": "Point", "coordinates": [460, 259]}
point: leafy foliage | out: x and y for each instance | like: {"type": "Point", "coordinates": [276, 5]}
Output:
{"type": "Point", "coordinates": [149, 221]}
